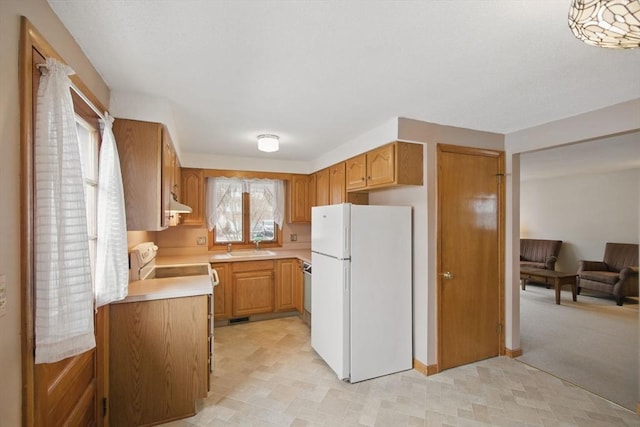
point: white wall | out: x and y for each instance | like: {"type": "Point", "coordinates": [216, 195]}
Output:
{"type": "Point", "coordinates": [584, 211]}
{"type": "Point", "coordinates": [602, 123]}
{"type": "Point", "coordinates": [46, 22]}
{"type": "Point", "coordinates": [416, 197]}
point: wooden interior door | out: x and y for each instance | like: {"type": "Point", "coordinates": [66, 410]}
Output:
{"type": "Point", "coordinates": [71, 391]}
{"type": "Point", "coordinates": [470, 254]}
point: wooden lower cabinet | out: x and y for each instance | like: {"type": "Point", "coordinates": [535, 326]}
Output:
{"type": "Point", "coordinates": [258, 287]}
{"type": "Point", "coordinates": [223, 294]}
{"type": "Point", "coordinates": [288, 291]}
{"type": "Point", "coordinates": [252, 283]}
{"type": "Point", "coordinates": [158, 359]}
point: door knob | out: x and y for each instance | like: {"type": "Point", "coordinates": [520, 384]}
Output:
{"type": "Point", "coordinates": [447, 275]}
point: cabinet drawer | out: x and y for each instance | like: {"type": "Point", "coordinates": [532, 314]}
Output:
{"type": "Point", "coordinates": [252, 265]}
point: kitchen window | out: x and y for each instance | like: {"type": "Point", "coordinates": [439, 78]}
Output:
{"type": "Point", "coordinates": [245, 211]}
{"type": "Point", "coordinates": [88, 142]}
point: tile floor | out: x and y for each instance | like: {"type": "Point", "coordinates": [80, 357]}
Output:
{"type": "Point", "coordinates": [267, 374]}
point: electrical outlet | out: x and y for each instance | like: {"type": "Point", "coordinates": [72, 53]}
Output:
{"type": "Point", "coordinates": [3, 295]}
{"type": "Point", "coordinates": [293, 237]}
{"type": "Point", "coordinates": [202, 240]}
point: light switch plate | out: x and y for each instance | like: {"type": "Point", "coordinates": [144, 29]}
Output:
{"type": "Point", "coordinates": [3, 295]}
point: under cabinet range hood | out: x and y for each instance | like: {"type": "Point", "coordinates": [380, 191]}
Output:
{"type": "Point", "coordinates": [176, 207]}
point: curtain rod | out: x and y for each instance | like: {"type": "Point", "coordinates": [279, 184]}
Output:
{"type": "Point", "coordinates": [79, 93]}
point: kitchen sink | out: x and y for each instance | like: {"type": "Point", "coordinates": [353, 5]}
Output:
{"type": "Point", "coordinates": [251, 253]}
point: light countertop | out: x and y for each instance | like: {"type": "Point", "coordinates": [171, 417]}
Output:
{"type": "Point", "coordinates": [217, 257]}
{"type": "Point", "coordinates": [170, 287]}
{"type": "Point", "coordinates": [185, 286]}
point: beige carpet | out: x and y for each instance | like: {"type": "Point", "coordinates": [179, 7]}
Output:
{"type": "Point", "coordinates": [592, 342]}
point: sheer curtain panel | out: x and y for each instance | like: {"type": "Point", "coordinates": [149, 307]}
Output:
{"type": "Point", "coordinates": [64, 290]}
{"type": "Point", "coordinates": [220, 187]}
{"type": "Point", "coordinates": [112, 264]}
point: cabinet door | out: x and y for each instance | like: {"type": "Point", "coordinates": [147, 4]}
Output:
{"type": "Point", "coordinates": [381, 166]}
{"type": "Point", "coordinates": [168, 165]}
{"type": "Point", "coordinates": [299, 206]}
{"type": "Point", "coordinates": [140, 151]}
{"type": "Point", "coordinates": [356, 170]}
{"type": "Point", "coordinates": [222, 294]}
{"type": "Point", "coordinates": [153, 384]}
{"type": "Point", "coordinates": [285, 295]}
{"type": "Point", "coordinates": [298, 286]}
{"type": "Point", "coordinates": [312, 192]}
{"type": "Point", "coordinates": [337, 188]}
{"type": "Point", "coordinates": [252, 293]}
{"type": "Point", "coordinates": [193, 196]}
{"type": "Point", "coordinates": [322, 187]}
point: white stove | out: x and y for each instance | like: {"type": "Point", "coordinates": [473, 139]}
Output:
{"type": "Point", "coordinates": [142, 260]}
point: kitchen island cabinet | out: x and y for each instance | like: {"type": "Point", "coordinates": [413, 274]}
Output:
{"type": "Point", "coordinates": [159, 359]}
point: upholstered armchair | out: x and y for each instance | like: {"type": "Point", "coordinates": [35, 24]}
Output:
{"type": "Point", "coordinates": [538, 253]}
{"type": "Point", "coordinates": [616, 274]}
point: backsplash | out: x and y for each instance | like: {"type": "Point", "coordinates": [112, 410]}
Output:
{"type": "Point", "coordinates": [183, 240]}
{"type": "Point", "coordinates": [135, 237]}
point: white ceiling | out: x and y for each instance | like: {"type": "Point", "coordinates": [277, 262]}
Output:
{"type": "Point", "coordinates": [319, 73]}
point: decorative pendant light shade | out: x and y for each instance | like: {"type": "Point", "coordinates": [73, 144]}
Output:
{"type": "Point", "coordinates": [268, 143]}
{"type": "Point", "coordinates": [606, 23]}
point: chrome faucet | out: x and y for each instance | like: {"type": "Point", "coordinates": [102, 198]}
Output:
{"type": "Point", "coordinates": [229, 248]}
{"type": "Point", "coordinates": [257, 242]}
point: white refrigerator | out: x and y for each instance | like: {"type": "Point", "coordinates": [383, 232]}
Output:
{"type": "Point", "coordinates": [362, 289]}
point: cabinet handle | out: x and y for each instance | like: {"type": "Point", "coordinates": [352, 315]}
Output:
{"type": "Point", "coordinates": [368, 177]}
{"type": "Point", "coordinates": [363, 178]}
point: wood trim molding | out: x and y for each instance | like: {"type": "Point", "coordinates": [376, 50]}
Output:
{"type": "Point", "coordinates": [30, 40]}
{"type": "Point", "coordinates": [425, 369]}
{"type": "Point", "coordinates": [210, 173]}
{"type": "Point", "coordinates": [517, 352]}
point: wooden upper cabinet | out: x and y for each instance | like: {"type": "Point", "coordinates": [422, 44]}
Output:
{"type": "Point", "coordinates": [147, 162]}
{"type": "Point", "coordinates": [356, 170]}
{"type": "Point", "coordinates": [381, 166]}
{"type": "Point", "coordinates": [337, 188]}
{"type": "Point", "coordinates": [322, 187]}
{"type": "Point", "coordinates": [299, 202]}
{"type": "Point", "coordinates": [398, 163]}
{"type": "Point", "coordinates": [168, 166]}
{"type": "Point", "coordinates": [192, 194]}
{"type": "Point", "coordinates": [312, 192]}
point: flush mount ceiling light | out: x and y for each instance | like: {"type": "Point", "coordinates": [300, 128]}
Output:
{"type": "Point", "coordinates": [268, 143]}
{"type": "Point", "coordinates": [606, 23]}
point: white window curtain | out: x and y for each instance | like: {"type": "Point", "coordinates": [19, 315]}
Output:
{"type": "Point", "coordinates": [112, 264]}
{"type": "Point", "coordinates": [63, 287]}
{"type": "Point", "coordinates": [215, 198]}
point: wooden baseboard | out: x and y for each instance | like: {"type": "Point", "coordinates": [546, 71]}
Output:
{"type": "Point", "coordinates": [425, 369]}
{"type": "Point", "coordinates": [513, 353]}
